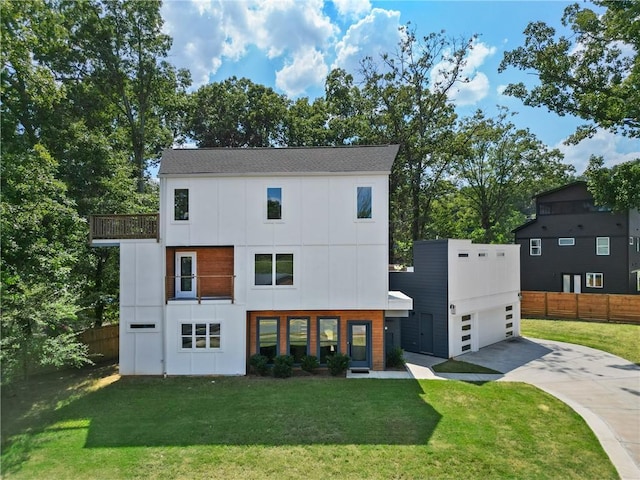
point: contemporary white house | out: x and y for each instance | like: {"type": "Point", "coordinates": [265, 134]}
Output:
{"type": "Point", "coordinates": [466, 296]}
{"type": "Point", "coordinates": [266, 250]}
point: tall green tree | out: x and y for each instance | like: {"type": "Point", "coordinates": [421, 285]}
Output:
{"type": "Point", "coordinates": [237, 113]}
{"type": "Point", "coordinates": [119, 49]}
{"type": "Point", "coordinates": [593, 74]}
{"type": "Point", "coordinates": [41, 232]}
{"type": "Point", "coordinates": [617, 187]}
{"type": "Point", "coordinates": [406, 103]}
{"type": "Point", "coordinates": [501, 168]}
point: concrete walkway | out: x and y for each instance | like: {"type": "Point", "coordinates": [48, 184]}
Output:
{"type": "Point", "coordinates": [602, 388]}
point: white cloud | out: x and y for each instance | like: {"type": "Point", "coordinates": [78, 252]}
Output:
{"type": "Point", "coordinates": [477, 86]}
{"type": "Point", "coordinates": [373, 35]}
{"type": "Point", "coordinates": [352, 8]}
{"type": "Point", "coordinates": [500, 89]}
{"type": "Point", "coordinates": [613, 148]}
{"type": "Point", "coordinates": [208, 32]}
{"type": "Point", "coordinates": [307, 68]}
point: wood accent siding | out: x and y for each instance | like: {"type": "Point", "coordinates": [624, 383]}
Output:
{"type": "Point", "coordinates": [585, 306]}
{"type": "Point", "coordinates": [376, 317]}
{"type": "Point", "coordinates": [214, 269]}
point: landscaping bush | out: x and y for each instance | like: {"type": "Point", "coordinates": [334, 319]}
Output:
{"type": "Point", "coordinates": [337, 364]}
{"type": "Point", "coordinates": [259, 364]}
{"type": "Point", "coordinates": [395, 358]}
{"type": "Point", "coordinates": [283, 366]}
{"type": "Point", "coordinates": [310, 363]}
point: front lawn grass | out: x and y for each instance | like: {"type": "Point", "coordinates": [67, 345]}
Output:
{"type": "Point", "coordinates": [257, 428]}
{"type": "Point", "coordinates": [619, 339]}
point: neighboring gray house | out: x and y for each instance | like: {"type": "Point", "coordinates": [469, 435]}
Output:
{"type": "Point", "coordinates": [576, 246]}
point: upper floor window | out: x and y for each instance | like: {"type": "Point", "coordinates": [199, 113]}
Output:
{"type": "Point", "coordinates": [535, 247]}
{"type": "Point", "coordinates": [602, 245]}
{"type": "Point", "coordinates": [566, 242]}
{"type": "Point", "coordinates": [274, 203]}
{"type": "Point", "coordinates": [364, 207]}
{"type": "Point", "coordinates": [181, 204]}
{"type": "Point", "coordinates": [273, 269]}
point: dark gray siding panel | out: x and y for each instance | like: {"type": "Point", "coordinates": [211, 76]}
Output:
{"type": "Point", "coordinates": [427, 285]}
{"type": "Point", "coordinates": [634, 251]}
{"type": "Point", "coordinates": [544, 272]}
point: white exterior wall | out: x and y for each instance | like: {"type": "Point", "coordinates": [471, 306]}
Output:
{"type": "Point", "coordinates": [141, 303]}
{"type": "Point", "coordinates": [229, 359]}
{"type": "Point", "coordinates": [340, 262]}
{"type": "Point", "coordinates": [482, 287]}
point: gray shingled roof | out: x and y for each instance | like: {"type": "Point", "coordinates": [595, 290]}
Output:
{"type": "Point", "coordinates": [260, 161]}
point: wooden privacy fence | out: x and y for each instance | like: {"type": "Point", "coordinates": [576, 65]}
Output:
{"type": "Point", "coordinates": [585, 306]}
{"type": "Point", "coordinates": [103, 342]}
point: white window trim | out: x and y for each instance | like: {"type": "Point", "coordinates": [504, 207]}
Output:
{"type": "Point", "coordinates": [355, 206]}
{"type": "Point", "coordinates": [207, 348]}
{"type": "Point", "coordinates": [602, 246]}
{"type": "Point", "coordinates": [590, 278]}
{"type": "Point", "coordinates": [194, 262]}
{"type": "Point", "coordinates": [566, 241]}
{"type": "Point", "coordinates": [539, 247]}
{"type": "Point", "coordinates": [265, 208]}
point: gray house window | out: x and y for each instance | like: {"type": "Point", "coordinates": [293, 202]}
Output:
{"type": "Point", "coordinates": [602, 245]}
{"type": "Point", "coordinates": [535, 247]}
{"type": "Point", "coordinates": [595, 280]}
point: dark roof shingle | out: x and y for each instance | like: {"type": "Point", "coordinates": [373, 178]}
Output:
{"type": "Point", "coordinates": [249, 161]}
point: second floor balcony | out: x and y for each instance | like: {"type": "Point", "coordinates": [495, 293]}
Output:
{"type": "Point", "coordinates": [107, 229]}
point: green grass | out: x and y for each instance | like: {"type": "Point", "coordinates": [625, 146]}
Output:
{"type": "Point", "coordinates": [108, 427]}
{"type": "Point", "coordinates": [457, 366]}
{"type": "Point", "coordinates": [619, 339]}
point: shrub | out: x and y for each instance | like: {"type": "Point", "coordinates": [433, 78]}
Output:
{"type": "Point", "coordinates": [310, 363]}
{"type": "Point", "coordinates": [283, 366]}
{"type": "Point", "coordinates": [337, 364]}
{"type": "Point", "coordinates": [395, 358]}
{"type": "Point", "coordinates": [259, 363]}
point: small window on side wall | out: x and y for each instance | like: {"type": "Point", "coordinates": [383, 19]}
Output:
{"type": "Point", "coordinates": [364, 206]}
{"type": "Point", "coordinates": [274, 203]}
{"type": "Point", "coordinates": [602, 245]}
{"type": "Point", "coordinates": [181, 204]}
{"type": "Point", "coordinates": [535, 247]}
{"type": "Point", "coordinates": [595, 280]}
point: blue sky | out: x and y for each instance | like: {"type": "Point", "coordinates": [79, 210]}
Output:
{"type": "Point", "coordinates": [291, 45]}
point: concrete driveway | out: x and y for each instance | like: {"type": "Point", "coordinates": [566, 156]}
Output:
{"type": "Point", "coordinates": [603, 388]}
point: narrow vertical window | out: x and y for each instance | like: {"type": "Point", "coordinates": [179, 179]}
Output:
{"type": "Point", "coordinates": [263, 267]}
{"type": "Point", "coordinates": [268, 338]}
{"type": "Point", "coordinates": [181, 204]}
{"type": "Point", "coordinates": [602, 245]}
{"type": "Point", "coordinates": [535, 247]}
{"type": "Point", "coordinates": [364, 202]}
{"type": "Point", "coordinates": [298, 338]}
{"type": "Point", "coordinates": [274, 203]}
{"type": "Point", "coordinates": [327, 338]}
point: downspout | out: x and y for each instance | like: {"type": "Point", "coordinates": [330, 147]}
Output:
{"type": "Point", "coordinates": [162, 235]}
